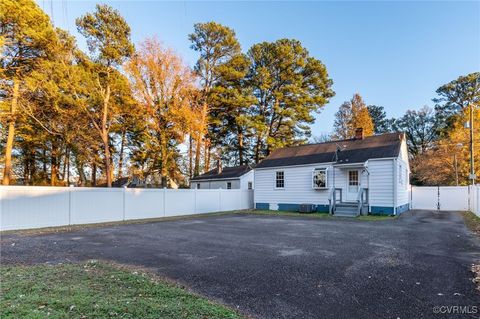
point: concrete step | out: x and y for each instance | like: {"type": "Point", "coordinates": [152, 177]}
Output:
{"type": "Point", "coordinates": [346, 210]}
{"type": "Point", "coordinates": [342, 214]}
{"type": "Point", "coordinates": [347, 205]}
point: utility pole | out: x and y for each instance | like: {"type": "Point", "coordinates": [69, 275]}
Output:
{"type": "Point", "coordinates": [472, 162]}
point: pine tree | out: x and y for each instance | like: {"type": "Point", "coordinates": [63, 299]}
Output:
{"type": "Point", "coordinates": [219, 60]}
{"type": "Point", "coordinates": [108, 39]}
{"type": "Point", "coordinates": [289, 86]}
{"type": "Point", "coordinates": [27, 35]}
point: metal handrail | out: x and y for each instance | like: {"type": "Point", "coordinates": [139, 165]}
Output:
{"type": "Point", "coordinates": [361, 201]}
{"type": "Point", "coordinates": [332, 199]}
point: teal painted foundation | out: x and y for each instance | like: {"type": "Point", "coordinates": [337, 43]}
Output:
{"type": "Point", "coordinates": [320, 208]}
{"type": "Point", "coordinates": [402, 208]}
{"type": "Point", "coordinates": [381, 210]}
{"type": "Point", "coordinates": [263, 206]}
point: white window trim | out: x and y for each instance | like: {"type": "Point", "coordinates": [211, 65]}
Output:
{"type": "Point", "coordinates": [275, 180]}
{"type": "Point", "coordinates": [325, 169]}
{"type": "Point", "coordinates": [230, 185]}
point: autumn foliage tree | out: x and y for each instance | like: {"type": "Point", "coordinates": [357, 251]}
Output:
{"type": "Point", "coordinates": [164, 88]}
{"type": "Point", "coordinates": [351, 115]}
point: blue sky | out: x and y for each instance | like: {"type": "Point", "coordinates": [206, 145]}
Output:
{"type": "Point", "coordinates": [395, 54]}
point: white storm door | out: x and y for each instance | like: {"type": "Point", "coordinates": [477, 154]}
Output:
{"type": "Point", "coordinates": [352, 185]}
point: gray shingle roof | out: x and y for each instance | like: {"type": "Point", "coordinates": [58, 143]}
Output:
{"type": "Point", "coordinates": [352, 151]}
{"type": "Point", "coordinates": [227, 172]}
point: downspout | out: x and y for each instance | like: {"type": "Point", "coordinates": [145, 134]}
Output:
{"type": "Point", "coordinates": [395, 174]}
{"type": "Point", "coordinates": [368, 185]}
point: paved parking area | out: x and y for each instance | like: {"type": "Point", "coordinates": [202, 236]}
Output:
{"type": "Point", "coordinates": [290, 267]}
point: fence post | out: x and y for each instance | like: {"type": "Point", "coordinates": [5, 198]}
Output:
{"type": "Point", "coordinates": [219, 199]}
{"type": "Point", "coordinates": [70, 205]}
{"type": "Point", "coordinates": [164, 201]}
{"type": "Point", "coordinates": [194, 200]}
{"type": "Point", "coordinates": [124, 195]}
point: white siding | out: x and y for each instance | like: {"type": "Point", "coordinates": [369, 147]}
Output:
{"type": "Point", "coordinates": [298, 186]}
{"type": "Point", "coordinates": [216, 184]}
{"type": "Point", "coordinates": [381, 182]}
{"type": "Point", "coordinates": [403, 184]}
{"type": "Point", "coordinates": [248, 177]}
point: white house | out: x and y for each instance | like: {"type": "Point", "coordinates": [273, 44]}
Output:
{"type": "Point", "coordinates": [345, 177]}
{"type": "Point", "coordinates": [237, 177]}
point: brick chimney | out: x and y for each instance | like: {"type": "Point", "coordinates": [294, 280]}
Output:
{"type": "Point", "coordinates": [359, 133]}
{"type": "Point", "coordinates": [219, 166]}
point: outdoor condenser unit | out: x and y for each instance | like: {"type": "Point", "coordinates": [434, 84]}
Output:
{"type": "Point", "coordinates": [306, 208]}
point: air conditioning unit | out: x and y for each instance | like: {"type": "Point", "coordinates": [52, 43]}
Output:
{"type": "Point", "coordinates": [306, 208]}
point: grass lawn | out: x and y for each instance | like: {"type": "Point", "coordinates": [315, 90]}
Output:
{"type": "Point", "coordinates": [472, 222]}
{"type": "Point", "coordinates": [97, 290]}
{"type": "Point", "coordinates": [315, 215]}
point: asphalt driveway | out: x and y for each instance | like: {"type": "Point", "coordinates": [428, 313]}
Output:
{"type": "Point", "coordinates": [290, 267]}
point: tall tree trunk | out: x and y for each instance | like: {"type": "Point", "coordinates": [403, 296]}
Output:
{"type": "Point", "coordinates": [208, 153]}
{"type": "Point", "coordinates": [120, 160]}
{"type": "Point", "coordinates": [94, 174]}
{"type": "Point", "coordinates": [163, 161]}
{"type": "Point", "coordinates": [7, 170]}
{"type": "Point", "coordinates": [190, 154]}
{"type": "Point", "coordinates": [44, 162]}
{"type": "Point", "coordinates": [54, 164]}
{"type": "Point", "coordinates": [198, 146]}
{"type": "Point", "coordinates": [67, 158]}
{"type": "Point", "coordinates": [257, 150]}
{"type": "Point", "coordinates": [64, 166]}
{"type": "Point", "coordinates": [240, 146]}
{"type": "Point", "coordinates": [26, 169]}
{"type": "Point", "coordinates": [81, 172]}
{"type": "Point", "coordinates": [106, 146]}
{"type": "Point", "coordinates": [33, 167]}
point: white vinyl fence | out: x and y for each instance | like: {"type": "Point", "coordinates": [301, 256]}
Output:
{"type": "Point", "coordinates": [23, 207]}
{"type": "Point", "coordinates": [446, 198]}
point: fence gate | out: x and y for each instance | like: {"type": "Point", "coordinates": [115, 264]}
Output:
{"type": "Point", "coordinates": [439, 197]}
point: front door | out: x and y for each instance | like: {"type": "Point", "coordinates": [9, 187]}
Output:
{"type": "Point", "coordinates": [352, 185]}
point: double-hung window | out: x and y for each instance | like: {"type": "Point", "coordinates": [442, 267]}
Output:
{"type": "Point", "coordinates": [279, 179]}
{"type": "Point", "coordinates": [229, 185]}
{"type": "Point", "coordinates": [319, 178]}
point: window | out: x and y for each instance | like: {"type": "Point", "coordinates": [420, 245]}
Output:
{"type": "Point", "coordinates": [198, 185]}
{"type": "Point", "coordinates": [279, 179]}
{"type": "Point", "coordinates": [250, 185]}
{"type": "Point", "coordinates": [319, 178]}
{"type": "Point", "coordinates": [229, 185]}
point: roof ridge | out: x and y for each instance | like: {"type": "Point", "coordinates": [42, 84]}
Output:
{"type": "Point", "coordinates": [337, 141]}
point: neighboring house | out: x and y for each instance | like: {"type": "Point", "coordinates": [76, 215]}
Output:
{"type": "Point", "coordinates": [346, 177]}
{"type": "Point", "coordinates": [136, 181]}
{"type": "Point", "coordinates": [237, 177]}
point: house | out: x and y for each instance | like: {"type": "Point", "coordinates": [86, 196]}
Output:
{"type": "Point", "coordinates": [237, 177]}
{"type": "Point", "coordinates": [346, 177]}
